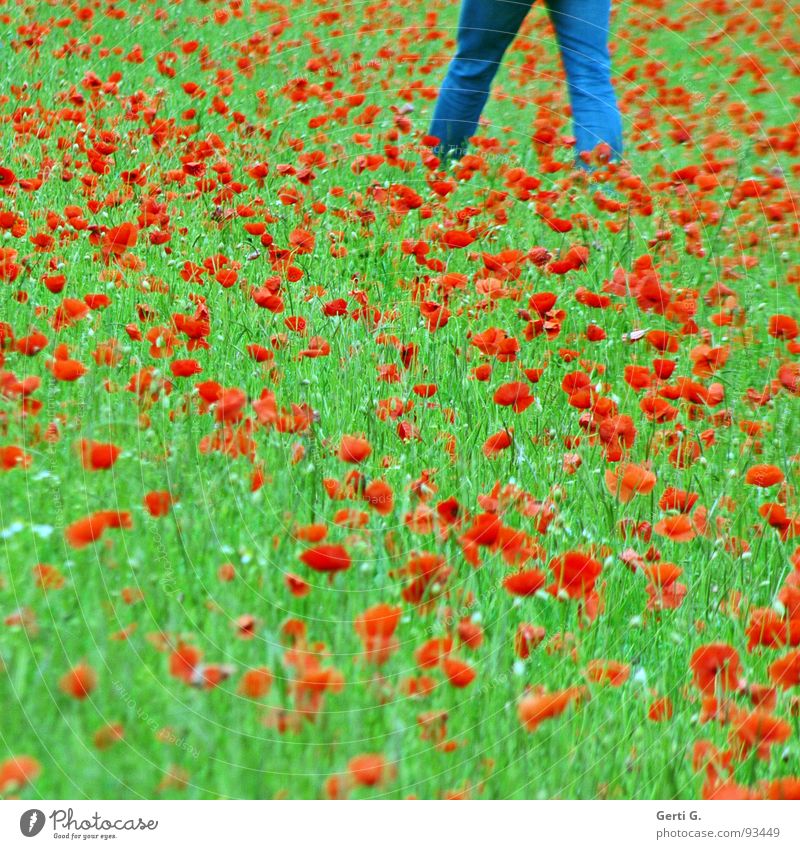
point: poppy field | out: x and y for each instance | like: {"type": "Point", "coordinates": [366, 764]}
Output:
{"type": "Point", "coordinates": [332, 470]}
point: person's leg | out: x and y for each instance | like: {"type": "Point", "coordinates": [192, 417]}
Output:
{"type": "Point", "coordinates": [485, 29]}
{"type": "Point", "coordinates": [581, 28]}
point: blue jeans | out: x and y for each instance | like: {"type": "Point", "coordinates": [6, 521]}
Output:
{"type": "Point", "coordinates": [485, 30]}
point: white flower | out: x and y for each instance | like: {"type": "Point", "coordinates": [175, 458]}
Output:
{"type": "Point", "coordinates": [11, 530]}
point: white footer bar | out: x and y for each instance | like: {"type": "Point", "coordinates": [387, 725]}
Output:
{"type": "Point", "coordinates": [383, 824]}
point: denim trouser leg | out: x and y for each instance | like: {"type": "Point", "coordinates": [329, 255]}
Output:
{"type": "Point", "coordinates": [581, 28]}
{"type": "Point", "coordinates": [485, 30]}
